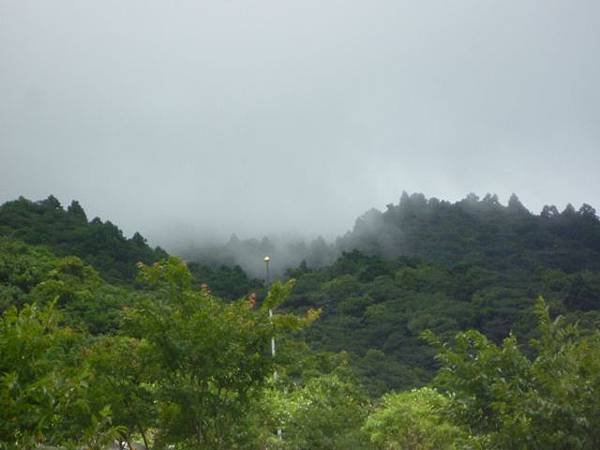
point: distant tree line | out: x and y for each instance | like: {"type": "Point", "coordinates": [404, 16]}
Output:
{"type": "Point", "coordinates": [475, 230]}
{"type": "Point", "coordinates": [430, 334]}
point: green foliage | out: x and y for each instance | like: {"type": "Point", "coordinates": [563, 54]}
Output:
{"type": "Point", "coordinates": [163, 361]}
{"type": "Point", "coordinates": [278, 292]}
{"type": "Point", "coordinates": [43, 389]}
{"type": "Point", "coordinates": [22, 267]}
{"type": "Point", "coordinates": [120, 384]}
{"type": "Point", "coordinates": [325, 413]}
{"type": "Point", "coordinates": [226, 282]}
{"type": "Point", "coordinates": [33, 274]}
{"type": "Point", "coordinates": [493, 381]}
{"type": "Point", "coordinates": [86, 300]}
{"type": "Point", "coordinates": [207, 360]}
{"type": "Point", "coordinates": [511, 401]}
{"type": "Point", "coordinates": [100, 244]}
{"type": "Point", "coordinates": [384, 315]}
{"type": "Point", "coordinates": [184, 368]}
{"type": "Point", "coordinates": [169, 277]}
{"type": "Point", "coordinates": [414, 420]}
{"type": "Point", "coordinates": [379, 321]}
{"type": "Point", "coordinates": [31, 349]}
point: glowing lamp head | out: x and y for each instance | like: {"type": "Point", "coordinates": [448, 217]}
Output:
{"type": "Point", "coordinates": [267, 259]}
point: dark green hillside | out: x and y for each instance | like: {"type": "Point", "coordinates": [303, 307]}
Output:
{"type": "Point", "coordinates": [68, 232]}
{"type": "Point", "coordinates": [472, 231]}
{"type": "Point", "coordinates": [426, 264]}
{"type": "Point", "coordinates": [377, 308]}
{"type": "Point", "coordinates": [225, 282]}
{"type": "Point", "coordinates": [100, 244]}
{"type": "Point", "coordinates": [480, 231]}
{"type": "Point", "coordinates": [32, 274]}
{"type": "Point", "coordinates": [85, 361]}
{"type": "Point", "coordinates": [430, 264]}
{"type": "Point", "coordinates": [421, 264]}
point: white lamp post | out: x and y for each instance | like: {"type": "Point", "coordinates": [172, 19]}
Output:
{"type": "Point", "coordinates": [267, 259]}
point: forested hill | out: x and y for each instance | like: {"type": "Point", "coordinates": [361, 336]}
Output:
{"type": "Point", "coordinates": [422, 269]}
{"type": "Point", "coordinates": [377, 309]}
{"type": "Point", "coordinates": [68, 232]}
{"type": "Point", "coordinates": [480, 231]}
{"type": "Point", "coordinates": [471, 231]}
{"type": "Point", "coordinates": [430, 264]}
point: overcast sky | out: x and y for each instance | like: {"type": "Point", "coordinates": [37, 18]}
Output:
{"type": "Point", "coordinates": [254, 116]}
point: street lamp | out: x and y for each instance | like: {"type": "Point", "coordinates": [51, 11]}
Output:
{"type": "Point", "coordinates": [267, 259]}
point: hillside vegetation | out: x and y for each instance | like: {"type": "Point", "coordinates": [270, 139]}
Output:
{"type": "Point", "coordinates": [427, 331]}
{"type": "Point", "coordinates": [69, 232]}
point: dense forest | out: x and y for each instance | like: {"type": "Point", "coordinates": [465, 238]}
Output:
{"type": "Point", "coordinates": [471, 231]}
{"type": "Point", "coordinates": [431, 325]}
{"type": "Point", "coordinates": [426, 264]}
{"type": "Point", "coordinates": [68, 232]}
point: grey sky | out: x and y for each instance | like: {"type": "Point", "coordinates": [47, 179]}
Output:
{"type": "Point", "coordinates": [295, 116]}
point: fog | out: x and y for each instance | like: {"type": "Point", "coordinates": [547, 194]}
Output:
{"type": "Point", "coordinates": [193, 120]}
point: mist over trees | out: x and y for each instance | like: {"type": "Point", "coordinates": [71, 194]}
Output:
{"type": "Point", "coordinates": [476, 230]}
{"type": "Point", "coordinates": [423, 327]}
{"type": "Point", "coordinates": [240, 269]}
{"type": "Point", "coordinates": [249, 254]}
{"type": "Point", "coordinates": [432, 264]}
